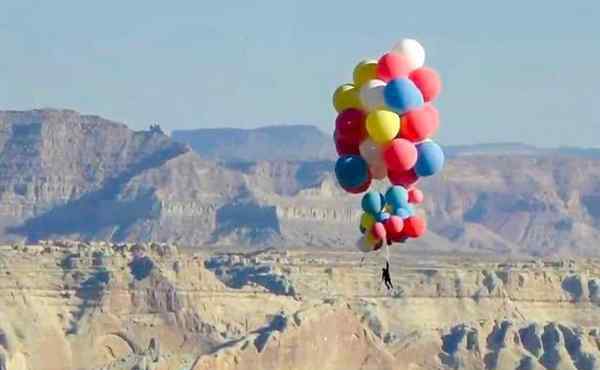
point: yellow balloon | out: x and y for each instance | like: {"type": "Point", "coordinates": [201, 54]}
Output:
{"type": "Point", "coordinates": [367, 221]}
{"type": "Point", "coordinates": [383, 126]}
{"type": "Point", "coordinates": [371, 240]}
{"type": "Point", "coordinates": [346, 96]}
{"type": "Point", "coordinates": [365, 71]}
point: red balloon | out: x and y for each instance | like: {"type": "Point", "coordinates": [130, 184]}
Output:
{"type": "Point", "coordinates": [414, 227]}
{"type": "Point", "coordinates": [415, 196]}
{"type": "Point", "coordinates": [428, 81]}
{"type": "Point", "coordinates": [394, 226]}
{"type": "Point", "coordinates": [350, 125]}
{"type": "Point", "coordinates": [360, 189]}
{"type": "Point", "coordinates": [392, 66]}
{"type": "Point", "coordinates": [344, 147]}
{"type": "Point", "coordinates": [403, 178]}
{"type": "Point", "coordinates": [400, 155]}
{"type": "Point", "coordinates": [379, 231]}
{"type": "Point", "coordinates": [420, 124]}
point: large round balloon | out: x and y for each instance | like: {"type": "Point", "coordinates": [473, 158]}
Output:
{"type": "Point", "coordinates": [373, 202]}
{"type": "Point", "coordinates": [414, 226]}
{"type": "Point", "coordinates": [419, 124]}
{"type": "Point", "coordinates": [351, 171]}
{"type": "Point", "coordinates": [345, 97]}
{"type": "Point", "coordinates": [392, 66]}
{"type": "Point", "coordinates": [413, 51]}
{"type": "Point", "coordinates": [431, 159]}
{"type": "Point", "coordinates": [428, 81]}
{"type": "Point", "coordinates": [365, 71]}
{"type": "Point", "coordinates": [403, 178]}
{"type": "Point", "coordinates": [371, 95]}
{"type": "Point", "coordinates": [350, 125]}
{"type": "Point", "coordinates": [383, 126]}
{"type": "Point", "coordinates": [344, 147]}
{"type": "Point", "coordinates": [371, 152]}
{"type": "Point", "coordinates": [397, 197]}
{"type": "Point", "coordinates": [402, 95]}
{"type": "Point", "coordinates": [394, 226]}
{"type": "Point", "coordinates": [400, 155]}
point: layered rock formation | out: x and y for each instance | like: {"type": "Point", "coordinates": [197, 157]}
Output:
{"type": "Point", "coordinates": [103, 306]}
{"type": "Point", "coordinates": [66, 175]}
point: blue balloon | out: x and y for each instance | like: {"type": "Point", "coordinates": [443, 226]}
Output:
{"type": "Point", "coordinates": [373, 202]}
{"type": "Point", "coordinates": [382, 216]}
{"type": "Point", "coordinates": [351, 171]}
{"type": "Point", "coordinates": [404, 212]}
{"type": "Point", "coordinates": [430, 159]}
{"type": "Point", "coordinates": [402, 95]}
{"type": "Point", "coordinates": [396, 196]}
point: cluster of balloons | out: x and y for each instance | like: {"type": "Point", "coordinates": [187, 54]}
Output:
{"type": "Point", "coordinates": [383, 131]}
{"type": "Point", "coordinates": [390, 217]}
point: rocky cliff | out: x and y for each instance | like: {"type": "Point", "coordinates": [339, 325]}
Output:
{"type": "Point", "coordinates": [71, 176]}
{"type": "Point", "coordinates": [117, 306]}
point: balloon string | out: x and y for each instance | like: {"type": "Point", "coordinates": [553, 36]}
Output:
{"type": "Point", "coordinates": [387, 253]}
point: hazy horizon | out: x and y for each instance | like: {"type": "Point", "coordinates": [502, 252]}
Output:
{"type": "Point", "coordinates": [192, 65]}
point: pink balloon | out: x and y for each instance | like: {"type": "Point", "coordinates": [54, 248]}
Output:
{"type": "Point", "coordinates": [378, 171]}
{"type": "Point", "coordinates": [415, 196]}
{"type": "Point", "coordinates": [391, 66]}
{"type": "Point", "coordinates": [419, 124]}
{"type": "Point", "coordinates": [394, 226]}
{"type": "Point", "coordinates": [400, 155]}
{"type": "Point", "coordinates": [379, 231]}
{"type": "Point", "coordinates": [428, 81]}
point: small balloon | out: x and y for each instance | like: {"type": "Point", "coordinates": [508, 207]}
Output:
{"type": "Point", "coordinates": [372, 202]}
{"type": "Point", "coordinates": [351, 171]}
{"type": "Point", "coordinates": [428, 81]}
{"type": "Point", "coordinates": [396, 196]}
{"type": "Point", "coordinates": [379, 231]}
{"type": "Point", "coordinates": [367, 221]}
{"type": "Point", "coordinates": [394, 226]}
{"type": "Point", "coordinates": [430, 159]}
{"type": "Point", "coordinates": [403, 178]}
{"type": "Point", "coordinates": [382, 216]}
{"type": "Point", "coordinates": [371, 95]}
{"type": "Point", "coordinates": [371, 152]}
{"type": "Point", "coordinates": [364, 245]}
{"type": "Point", "coordinates": [402, 95]}
{"type": "Point", "coordinates": [400, 155]}
{"type": "Point", "coordinates": [414, 227]}
{"type": "Point", "coordinates": [392, 66]}
{"type": "Point", "coordinates": [383, 126]}
{"type": "Point", "coordinates": [419, 124]}
{"type": "Point", "coordinates": [346, 97]}
{"type": "Point", "coordinates": [415, 196]}
{"type": "Point", "coordinates": [378, 171]}
{"type": "Point", "coordinates": [365, 71]}
{"type": "Point", "coordinates": [350, 125]}
{"type": "Point", "coordinates": [413, 51]}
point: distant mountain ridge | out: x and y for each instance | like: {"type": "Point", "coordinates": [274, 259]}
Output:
{"type": "Point", "coordinates": [292, 142]}
{"type": "Point", "coordinates": [66, 175]}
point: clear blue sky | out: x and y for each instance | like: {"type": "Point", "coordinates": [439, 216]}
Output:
{"type": "Point", "coordinates": [513, 70]}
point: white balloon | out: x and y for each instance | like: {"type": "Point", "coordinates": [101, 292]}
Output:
{"type": "Point", "coordinates": [371, 95]}
{"type": "Point", "coordinates": [370, 152]}
{"type": "Point", "coordinates": [363, 245]}
{"type": "Point", "coordinates": [413, 51]}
